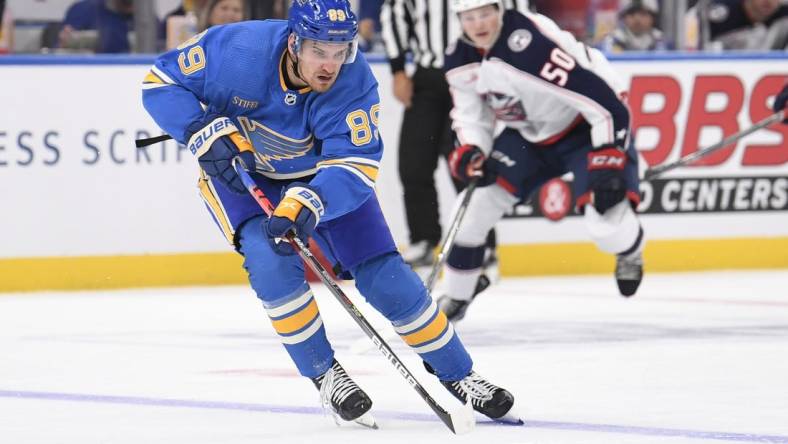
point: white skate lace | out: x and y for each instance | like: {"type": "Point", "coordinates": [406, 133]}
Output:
{"type": "Point", "coordinates": [476, 388]}
{"type": "Point", "coordinates": [335, 388]}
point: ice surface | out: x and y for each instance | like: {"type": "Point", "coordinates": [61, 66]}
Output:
{"type": "Point", "coordinates": [692, 358]}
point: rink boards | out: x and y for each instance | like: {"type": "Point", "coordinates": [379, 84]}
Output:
{"type": "Point", "coordinates": [83, 208]}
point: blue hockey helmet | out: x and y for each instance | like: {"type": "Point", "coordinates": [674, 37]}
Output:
{"type": "Point", "coordinates": [324, 20]}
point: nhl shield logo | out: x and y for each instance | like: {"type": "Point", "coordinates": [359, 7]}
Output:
{"type": "Point", "coordinates": [519, 40]}
{"type": "Point", "coordinates": [555, 199]}
{"type": "Point", "coordinates": [290, 98]}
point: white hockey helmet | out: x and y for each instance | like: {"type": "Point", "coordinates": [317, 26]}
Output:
{"type": "Point", "coordinates": [458, 6]}
{"type": "Point", "coordinates": [628, 6]}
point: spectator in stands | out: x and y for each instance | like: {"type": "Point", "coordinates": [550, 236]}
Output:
{"type": "Point", "coordinates": [186, 6]}
{"type": "Point", "coordinates": [637, 29]}
{"type": "Point", "coordinates": [738, 24]}
{"type": "Point", "coordinates": [221, 12]}
{"type": "Point", "coordinates": [369, 24]}
{"type": "Point", "coordinates": [100, 26]}
{"type": "Point", "coordinates": [180, 23]}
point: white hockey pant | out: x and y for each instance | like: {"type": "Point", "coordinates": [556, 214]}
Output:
{"type": "Point", "coordinates": [486, 207]}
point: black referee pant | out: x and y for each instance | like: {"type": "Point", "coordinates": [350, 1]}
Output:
{"type": "Point", "coordinates": [425, 136]}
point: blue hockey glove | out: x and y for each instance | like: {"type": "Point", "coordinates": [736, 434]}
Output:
{"type": "Point", "coordinates": [467, 162]}
{"type": "Point", "coordinates": [300, 211]}
{"type": "Point", "coordinates": [606, 186]}
{"type": "Point", "coordinates": [216, 141]}
{"type": "Point", "coordinates": [780, 103]}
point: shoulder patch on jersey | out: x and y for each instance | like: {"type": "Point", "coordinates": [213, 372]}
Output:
{"type": "Point", "coordinates": [519, 39]}
{"type": "Point", "coordinates": [718, 13]}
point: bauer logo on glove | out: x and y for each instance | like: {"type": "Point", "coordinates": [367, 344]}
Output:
{"type": "Point", "coordinates": [216, 141]}
{"type": "Point", "coordinates": [206, 136]}
{"type": "Point", "coordinates": [300, 211]}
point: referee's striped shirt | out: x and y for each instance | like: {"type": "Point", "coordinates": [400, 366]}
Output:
{"type": "Point", "coordinates": [424, 28]}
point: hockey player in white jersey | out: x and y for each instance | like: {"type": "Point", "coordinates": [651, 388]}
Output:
{"type": "Point", "coordinates": [532, 103]}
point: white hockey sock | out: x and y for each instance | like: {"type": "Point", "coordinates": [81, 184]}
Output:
{"type": "Point", "coordinates": [460, 284]}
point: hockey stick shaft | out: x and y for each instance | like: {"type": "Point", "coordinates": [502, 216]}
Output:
{"type": "Point", "coordinates": [689, 158]}
{"type": "Point", "coordinates": [140, 143]}
{"type": "Point", "coordinates": [448, 241]}
{"type": "Point", "coordinates": [335, 290]}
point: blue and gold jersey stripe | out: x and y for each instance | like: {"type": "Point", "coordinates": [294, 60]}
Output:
{"type": "Point", "coordinates": [215, 206]}
{"type": "Point", "coordinates": [156, 78]}
{"type": "Point", "coordinates": [295, 319]}
{"type": "Point", "coordinates": [364, 169]}
{"type": "Point", "coordinates": [430, 330]}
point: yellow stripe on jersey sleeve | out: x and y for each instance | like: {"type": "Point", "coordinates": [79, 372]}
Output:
{"type": "Point", "coordinates": [153, 78]}
{"type": "Point", "coordinates": [366, 169]}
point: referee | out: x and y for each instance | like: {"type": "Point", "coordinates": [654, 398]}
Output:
{"type": "Point", "coordinates": [423, 29]}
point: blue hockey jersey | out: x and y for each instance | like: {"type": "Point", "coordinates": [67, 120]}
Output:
{"type": "Point", "coordinates": [236, 71]}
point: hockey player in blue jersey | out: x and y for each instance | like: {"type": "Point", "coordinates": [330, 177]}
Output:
{"type": "Point", "coordinates": [295, 100]}
{"type": "Point", "coordinates": [532, 103]}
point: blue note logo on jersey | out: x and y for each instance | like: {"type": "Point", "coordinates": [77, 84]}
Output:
{"type": "Point", "coordinates": [271, 146]}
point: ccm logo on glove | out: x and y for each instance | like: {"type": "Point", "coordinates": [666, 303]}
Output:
{"type": "Point", "coordinates": [606, 158]}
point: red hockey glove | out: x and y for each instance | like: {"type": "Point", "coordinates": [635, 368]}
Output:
{"type": "Point", "coordinates": [467, 162]}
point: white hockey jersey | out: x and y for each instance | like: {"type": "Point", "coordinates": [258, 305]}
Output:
{"type": "Point", "coordinates": [537, 79]}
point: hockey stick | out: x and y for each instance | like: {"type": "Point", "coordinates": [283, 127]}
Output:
{"type": "Point", "coordinates": [448, 241]}
{"type": "Point", "coordinates": [651, 173]}
{"type": "Point", "coordinates": [459, 421]}
{"type": "Point", "coordinates": [361, 346]}
{"type": "Point", "coordinates": [140, 143]}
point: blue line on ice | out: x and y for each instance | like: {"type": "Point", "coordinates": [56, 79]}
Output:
{"type": "Point", "coordinates": [272, 408]}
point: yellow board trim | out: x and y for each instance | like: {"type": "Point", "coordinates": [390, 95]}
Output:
{"type": "Point", "coordinates": [112, 272]}
{"type": "Point", "coordinates": [173, 270]}
{"type": "Point", "coordinates": [659, 256]}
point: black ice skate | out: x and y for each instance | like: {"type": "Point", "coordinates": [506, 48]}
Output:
{"type": "Point", "coordinates": [629, 273]}
{"type": "Point", "coordinates": [485, 397]}
{"type": "Point", "coordinates": [343, 397]}
{"type": "Point", "coordinates": [455, 309]}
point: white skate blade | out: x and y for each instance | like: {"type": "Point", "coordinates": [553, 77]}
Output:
{"type": "Point", "coordinates": [462, 419]}
{"type": "Point", "coordinates": [511, 417]}
{"type": "Point", "coordinates": [367, 420]}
